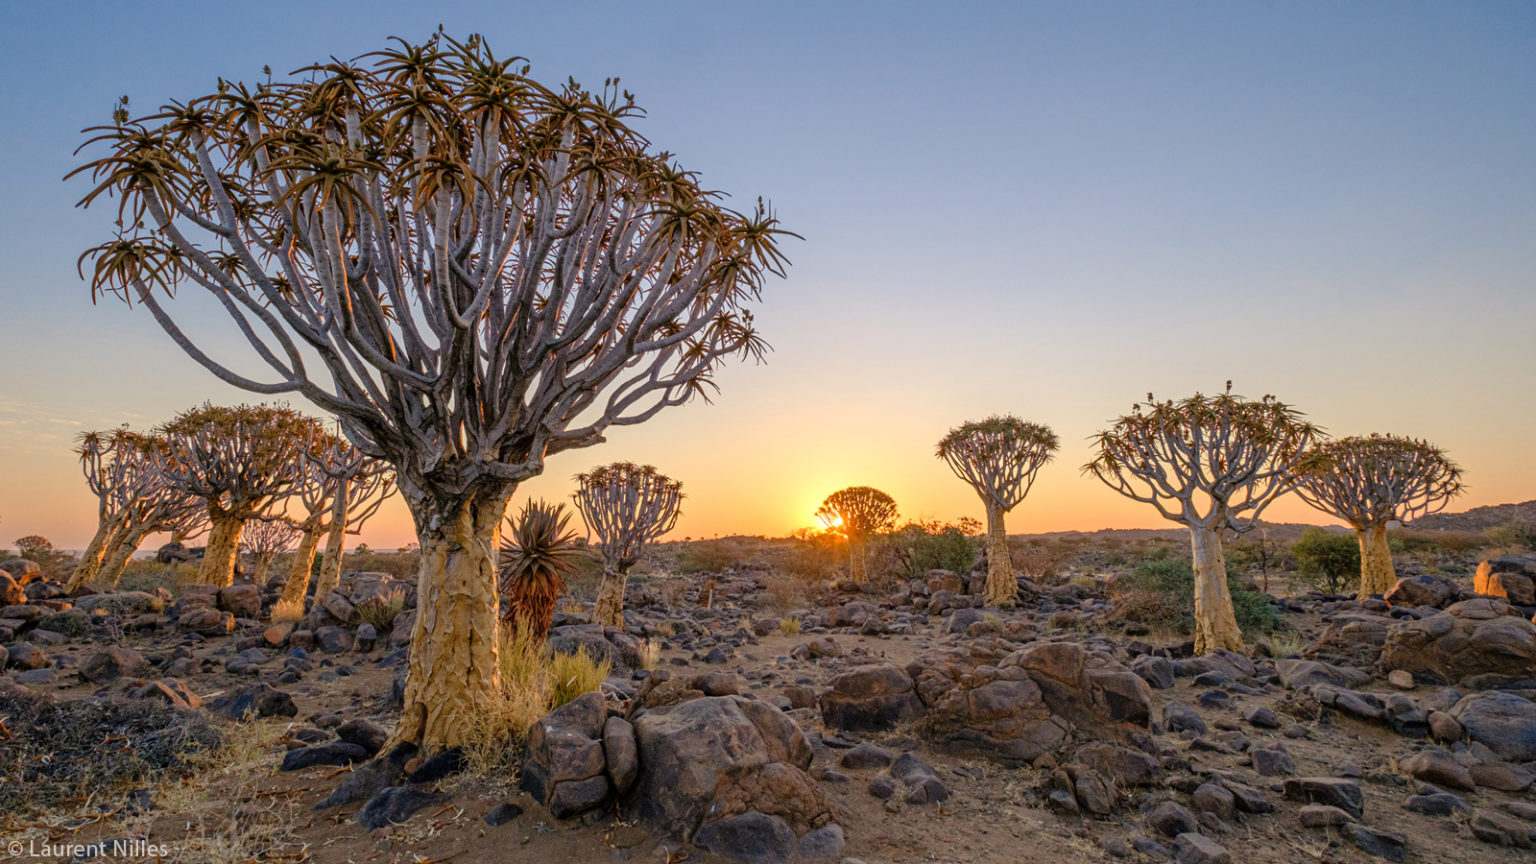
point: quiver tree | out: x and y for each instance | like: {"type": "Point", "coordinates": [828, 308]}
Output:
{"type": "Point", "coordinates": [1370, 481]}
{"type": "Point", "coordinates": [999, 457]}
{"type": "Point", "coordinates": [1209, 463]}
{"type": "Point", "coordinates": [539, 552]}
{"type": "Point", "coordinates": [127, 471]}
{"type": "Point", "coordinates": [241, 462]}
{"type": "Point", "coordinates": [359, 486]}
{"type": "Point", "coordinates": [263, 539]}
{"type": "Point", "coordinates": [627, 506]}
{"type": "Point", "coordinates": [858, 513]}
{"type": "Point", "coordinates": [471, 270]}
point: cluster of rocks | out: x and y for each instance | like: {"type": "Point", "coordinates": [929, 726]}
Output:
{"type": "Point", "coordinates": [724, 772]}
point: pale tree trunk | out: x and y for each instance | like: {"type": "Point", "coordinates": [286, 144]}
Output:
{"type": "Point", "coordinates": [609, 611]}
{"type": "Point", "coordinates": [856, 570]}
{"type": "Point", "coordinates": [1001, 589]}
{"type": "Point", "coordinates": [335, 546]}
{"type": "Point", "coordinates": [1376, 573]}
{"type": "Point", "coordinates": [292, 599]}
{"type": "Point", "coordinates": [219, 556]}
{"type": "Point", "coordinates": [454, 667]}
{"type": "Point", "coordinates": [91, 558]}
{"type": "Point", "coordinates": [1215, 621]}
{"type": "Point", "coordinates": [261, 564]}
{"type": "Point", "coordinates": [124, 543]}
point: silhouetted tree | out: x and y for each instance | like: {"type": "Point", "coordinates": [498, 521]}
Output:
{"type": "Point", "coordinates": [858, 513]}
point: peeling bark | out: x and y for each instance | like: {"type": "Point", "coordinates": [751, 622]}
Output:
{"type": "Point", "coordinates": [856, 569]}
{"type": "Point", "coordinates": [335, 545]}
{"type": "Point", "coordinates": [1377, 575]}
{"type": "Point", "coordinates": [609, 611]}
{"type": "Point", "coordinates": [1002, 589]}
{"type": "Point", "coordinates": [1215, 621]}
{"type": "Point", "coordinates": [218, 567]}
{"type": "Point", "coordinates": [454, 667]}
{"type": "Point", "coordinates": [95, 553]}
{"type": "Point", "coordinates": [298, 572]}
{"type": "Point", "coordinates": [124, 544]}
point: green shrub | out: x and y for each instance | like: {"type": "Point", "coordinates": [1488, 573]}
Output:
{"type": "Point", "coordinates": [1327, 560]}
{"type": "Point", "coordinates": [382, 612]}
{"type": "Point", "coordinates": [708, 556]}
{"type": "Point", "coordinates": [1161, 593]}
{"type": "Point", "coordinates": [920, 546]}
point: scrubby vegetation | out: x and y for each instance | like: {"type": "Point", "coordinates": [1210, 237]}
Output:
{"type": "Point", "coordinates": [1160, 593]}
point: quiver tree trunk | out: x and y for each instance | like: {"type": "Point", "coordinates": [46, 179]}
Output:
{"type": "Point", "coordinates": [609, 610]}
{"type": "Point", "coordinates": [292, 599]}
{"type": "Point", "coordinates": [1376, 573]}
{"type": "Point", "coordinates": [222, 551]}
{"type": "Point", "coordinates": [91, 559]}
{"type": "Point", "coordinates": [120, 551]}
{"type": "Point", "coordinates": [856, 569]}
{"type": "Point", "coordinates": [1001, 588]}
{"type": "Point", "coordinates": [454, 664]}
{"type": "Point", "coordinates": [335, 546]}
{"type": "Point", "coordinates": [1215, 621]}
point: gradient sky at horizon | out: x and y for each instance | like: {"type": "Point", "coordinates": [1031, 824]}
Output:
{"type": "Point", "coordinates": [1046, 209]}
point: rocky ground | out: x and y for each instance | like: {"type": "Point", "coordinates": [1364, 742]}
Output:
{"type": "Point", "coordinates": [881, 725]}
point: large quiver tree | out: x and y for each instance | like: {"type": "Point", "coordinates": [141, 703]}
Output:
{"type": "Point", "coordinates": [1209, 463]}
{"type": "Point", "coordinates": [241, 462]}
{"type": "Point", "coordinates": [471, 270]}
{"type": "Point", "coordinates": [1370, 481]}
{"type": "Point", "coordinates": [858, 513]}
{"type": "Point", "coordinates": [627, 506]}
{"type": "Point", "coordinates": [999, 457]}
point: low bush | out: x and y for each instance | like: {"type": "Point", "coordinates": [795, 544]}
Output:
{"type": "Point", "coordinates": [534, 681]}
{"type": "Point", "coordinates": [919, 546]}
{"type": "Point", "coordinates": [709, 556]}
{"type": "Point", "coordinates": [60, 753]}
{"type": "Point", "coordinates": [1161, 593]}
{"type": "Point", "coordinates": [1327, 560]}
{"type": "Point", "coordinates": [381, 612]}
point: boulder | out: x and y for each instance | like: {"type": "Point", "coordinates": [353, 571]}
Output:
{"type": "Point", "coordinates": [122, 603]}
{"type": "Point", "coordinates": [1333, 791]}
{"type": "Point", "coordinates": [242, 599]}
{"type": "Point", "coordinates": [113, 663]}
{"type": "Point", "coordinates": [207, 621]}
{"type": "Point", "coordinates": [21, 570]}
{"type": "Point", "coordinates": [1482, 636]}
{"type": "Point", "coordinates": [1015, 705]}
{"type": "Point", "coordinates": [716, 757]}
{"type": "Point", "coordinates": [872, 697]}
{"type": "Point", "coordinates": [1436, 766]}
{"type": "Point", "coordinates": [260, 700]}
{"type": "Point", "coordinates": [1422, 590]}
{"type": "Point", "coordinates": [11, 592]}
{"type": "Point", "coordinates": [1295, 674]}
{"type": "Point", "coordinates": [171, 691]}
{"type": "Point", "coordinates": [1501, 721]}
{"type": "Point", "coordinates": [564, 769]}
{"type": "Point", "coordinates": [1509, 577]}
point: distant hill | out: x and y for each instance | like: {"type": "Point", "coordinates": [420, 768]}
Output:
{"type": "Point", "coordinates": [1479, 518]}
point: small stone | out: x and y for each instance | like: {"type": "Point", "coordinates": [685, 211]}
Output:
{"type": "Point", "coordinates": [866, 755]}
{"type": "Point", "coordinates": [882, 787]}
{"type": "Point", "coordinates": [1402, 679]}
{"type": "Point", "coordinates": [1323, 816]}
{"type": "Point", "coordinates": [1193, 848]}
{"type": "Point", "coordinates": [1379, 843]}
{"type": "Point", "coordinates": [1336, 791]}
{"type": "Point", "coordinates": [502, 813]}
{"type": "Point", "coordinates": [1172, 819]}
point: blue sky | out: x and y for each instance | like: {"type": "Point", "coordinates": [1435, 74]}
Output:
{"type": "Point", "coordinates": [1040, 208]}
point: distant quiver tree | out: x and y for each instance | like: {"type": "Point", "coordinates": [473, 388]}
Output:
{"type": "Point", "coordinates": [263, 539]}
{"type": "Point", "coordinates": [1209, 463]}
{"type": "Point", "coordinates": [471, 270]}
{"type": "Point", "coordinates": [1372, 480]}
{"type": "Point", "coordinates": [626, 506]}
{"type": "Point", "coordinates": [858, 513]}
{"type": "Point", "coordinates": [999, 457]}
{"type": "Point", "coordinates": [242, 462]}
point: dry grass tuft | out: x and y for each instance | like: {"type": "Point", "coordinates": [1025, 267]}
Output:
{"type": "Point", "coordinates": [288, 610]}
{"type": "Point", "coordinates": [380, 613]}
{"type": "Point", "coordinates": [789, 627]}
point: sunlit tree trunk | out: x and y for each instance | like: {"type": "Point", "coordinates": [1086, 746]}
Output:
{"type": "Point", "coordinates": [91, 559]}
{"type": "Point", "coordinates": [1215, 620]}
{"type": "Point", "coordinates": [1001, 590]}
{"type": "Point", "coordinates": [857, 571]}
{"type": "Point", "coordinates": [454, 667]}
{"type": "Point", "coordinates": [292, 600]}
{"type": "Point", "coordinates": [335, 545]}
{"type": "Point", "coordinates": [1377, 575]}
{"type": "Point", "coordinates": [609, 610]}
{"type": "Point", "coordinates": [124, 543]}
{"type": "Point", "coordinates": [218, 567]}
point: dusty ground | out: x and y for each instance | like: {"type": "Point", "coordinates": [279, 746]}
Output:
{"type": "Point", "coordinates": [243, 809]}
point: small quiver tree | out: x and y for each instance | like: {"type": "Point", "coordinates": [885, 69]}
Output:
{"type": "Point", "coordinates": [241, 462]}
{"type": "Point", "coordinates": [858, 513]}
{"type": "Point", "coordinates": [127, 470]}
{"type": "Point", "coordinates": [263, 539]}
{"type": "Point", "coordinates": [359, 486]}
{"type": "Point", "coordinates": [472, 270]}
{"type": "Point", "coordinates": [1370, 481]}
{"type": "Point", "coordinates": [539, 552]}
{"type": "Point", "coordinates": [627, 506]}
{"type": "Point", "coordinates": [999, 457]}
{"type": "Point", "coordinates": [1209, 463]}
